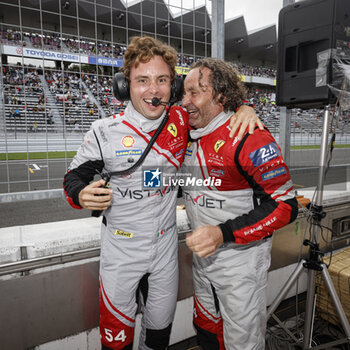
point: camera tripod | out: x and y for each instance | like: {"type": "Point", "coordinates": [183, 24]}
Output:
{"type": "Point", "coordinates": [314, 263]}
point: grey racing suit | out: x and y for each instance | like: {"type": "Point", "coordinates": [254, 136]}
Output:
{"type": "Point", "coordinates": [244, 187]}
{"type": "Point", "coordinates": [139, 233]}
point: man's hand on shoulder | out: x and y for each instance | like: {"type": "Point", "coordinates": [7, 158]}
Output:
{"type": "Point", "coordinates": [245, 116]}
{"type": "Point", "coordinates": [95, 197]}
{"type": "Point", "coordinates": [204, 240]}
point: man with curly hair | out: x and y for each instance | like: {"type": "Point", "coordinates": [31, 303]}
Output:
{"type": "Point", "coordinates": [248, 197]}
{"type": "Point", "coordinates": [138, 231]}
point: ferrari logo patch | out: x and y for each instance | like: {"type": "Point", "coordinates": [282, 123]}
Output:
{"type": "Point", "coordinates": [172, 129]}
{"type": "Point", "coordinates": [218, 145]}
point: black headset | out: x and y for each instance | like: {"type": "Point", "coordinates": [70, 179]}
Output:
{"type": "Point", "coordinates": [122, 92]}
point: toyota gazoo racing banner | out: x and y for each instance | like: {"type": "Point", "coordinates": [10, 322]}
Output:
{"type": "Point", "coordinates": [46, 54]}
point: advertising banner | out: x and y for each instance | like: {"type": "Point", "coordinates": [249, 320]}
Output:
{"type": "Point", "coordinates": [71, 57]}
{"type": "Point", "coordinates": [46, 54]}
{"type": "Point", "coordinates": [106, 61]}
{"type": "Point", "coordinates": [182, 70]}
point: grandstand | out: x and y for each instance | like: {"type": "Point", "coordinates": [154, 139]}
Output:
{"type": "Point", "coordinates": [84, 42]}
{"type": "Point", "coordinates": [69, 102]}
{"type": "Point", "coordinates": [38, 102]}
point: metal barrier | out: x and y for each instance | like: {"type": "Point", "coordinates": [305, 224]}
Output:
{"type": "Point", "coordinates": [46, 261]}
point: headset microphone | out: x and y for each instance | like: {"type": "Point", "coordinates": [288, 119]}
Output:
{"type": "Point", "coordinates": [156, 102]}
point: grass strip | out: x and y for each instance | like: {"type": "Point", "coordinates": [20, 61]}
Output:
{"type": "Point", "coordinates": [37, 155]}
{"type": "Point", "coordinates": [71, 154]}
{"type": "Point", "coordinates": [316, 147]}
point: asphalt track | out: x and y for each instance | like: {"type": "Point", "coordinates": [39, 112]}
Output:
{"type": "Point", "coordinates": [47, 174]}
{"type": "Point", "coordinates": [18, 176]}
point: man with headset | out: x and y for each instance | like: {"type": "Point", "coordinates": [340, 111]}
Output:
{"type": "Point", "coordinates": [250, 196]}
{"type": "Point", "coordinates": [139, 232]}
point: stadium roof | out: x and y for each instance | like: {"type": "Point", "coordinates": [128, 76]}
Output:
{"type": "Point", "coordinates": [259, 46]}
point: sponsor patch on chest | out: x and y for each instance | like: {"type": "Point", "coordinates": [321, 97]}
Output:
{"type": "Point", "coordinates": [217, 172]}
{"type": "Point", "coordinates": [172, 129]}
{"type": "Point", "coordinates": [128, 141]}
{"type": "Point", "coordinates": [179, 153]}
{"type": "Point", "coordinates": [129, 152]}
{"type": "Point", "coordinates": [215, 160]}
{"type": "Point", "coordinates": [176, 143]}
{"type": "Point", "coordinates": [188, 150]}
{"type": "Point", "coordinates": [218, 145]}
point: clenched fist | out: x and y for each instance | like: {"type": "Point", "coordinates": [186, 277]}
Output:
{"type": "Point", "coordinates": [95, 197]}
{"type": "Point", "coordinates": [205, 240]}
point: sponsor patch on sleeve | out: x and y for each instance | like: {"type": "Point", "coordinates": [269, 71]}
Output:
{"type": "Point", "coordinates": [264, 154]}
{"type": "Point", "coordinates": [274, 173]}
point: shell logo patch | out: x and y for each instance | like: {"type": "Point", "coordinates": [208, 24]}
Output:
{"type": "Point", "coordinates": [172, 129]}
{"type": "Point", "coordinates": [128, 141]}
{"type": "Point", "coordinates": [218, 145]}
{"type": "Point", "coordinates": [123, 233]}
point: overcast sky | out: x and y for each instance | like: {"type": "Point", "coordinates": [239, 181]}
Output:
{"type": "Point", "coordinates": [257, 13]}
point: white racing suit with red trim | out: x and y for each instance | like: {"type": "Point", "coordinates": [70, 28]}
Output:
{"type": "Point", "coordinates": [249, 194]}
{"type": "Point", "coordinates": [139, 232]}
